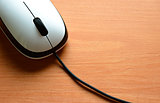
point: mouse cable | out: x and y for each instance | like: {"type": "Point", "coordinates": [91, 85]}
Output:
{"type": "Point", "coordinates": [76, 79]}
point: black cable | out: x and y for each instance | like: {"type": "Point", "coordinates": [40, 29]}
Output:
{"type": "Point", "coordinates": [87, 85]}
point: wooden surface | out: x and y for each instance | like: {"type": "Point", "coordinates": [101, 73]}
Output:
{"type": "Point", "coordinates": [113, 45]}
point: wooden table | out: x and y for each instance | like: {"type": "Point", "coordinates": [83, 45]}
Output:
{"type": "Point", "coordinates": [113, 45]}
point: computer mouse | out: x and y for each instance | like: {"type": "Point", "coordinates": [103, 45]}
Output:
{"type": "Point", "coordinates": [34, 27]}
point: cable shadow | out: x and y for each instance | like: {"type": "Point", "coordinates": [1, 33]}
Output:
{"type": "Point", "coordinates": [83, 86]}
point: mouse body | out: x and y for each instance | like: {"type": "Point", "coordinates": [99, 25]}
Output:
{"type": "Point", "coordinates": [18, 21]}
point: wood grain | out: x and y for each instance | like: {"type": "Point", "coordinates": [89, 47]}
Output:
{"type": "Point", "coordinates": [113, 45]}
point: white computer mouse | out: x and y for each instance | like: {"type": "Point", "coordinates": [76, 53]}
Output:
{"type": "Point", "coordinates": [34, 27]}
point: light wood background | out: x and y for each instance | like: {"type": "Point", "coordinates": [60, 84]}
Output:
{"type": "Point", "coordinates": [113, 45]}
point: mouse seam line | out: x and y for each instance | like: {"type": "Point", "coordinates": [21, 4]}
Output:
{"type": "Point", "coordinates": [35, 17]}
{"type": "Point", "coordinates": [29, 9]}
{"type": "Point", "coordinates": [49, 42]}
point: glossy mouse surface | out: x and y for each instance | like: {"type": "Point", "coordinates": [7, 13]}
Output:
{"type": "Point", "coordinates": [34, 27]}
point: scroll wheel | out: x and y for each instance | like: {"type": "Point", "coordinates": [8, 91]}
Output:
{"type": "Point", "coordinates": [40, 26]}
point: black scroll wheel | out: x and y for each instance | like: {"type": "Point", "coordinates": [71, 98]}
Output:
{"type": "Point", "coordinates": [40, 26]}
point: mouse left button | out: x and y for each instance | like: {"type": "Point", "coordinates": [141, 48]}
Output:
{"type": "Point", "coordinates": [40, 26]}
